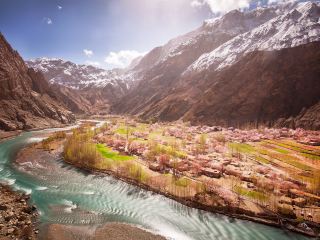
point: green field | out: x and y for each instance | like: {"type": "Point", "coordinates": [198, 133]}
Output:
{"type": "Point", "coordinates": [251, 194]}
{"type": "Point", "coordinates": [266, 152]}
{"type": "Point", "coordinates": [108, 153]}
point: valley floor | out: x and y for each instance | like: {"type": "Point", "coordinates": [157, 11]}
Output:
{"type": "Point", "coordinates": [264, 175]}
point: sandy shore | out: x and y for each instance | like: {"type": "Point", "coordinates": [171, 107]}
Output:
{"type": "Point", "coordinates": [17, 218]}
{"type": "Point", "coordinates": [114, 231]}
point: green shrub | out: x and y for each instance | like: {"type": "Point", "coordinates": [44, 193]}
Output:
{"type": "Point", "coordinates": [56, 136]}
{"type": "Point", "coordinates": [78, 149]}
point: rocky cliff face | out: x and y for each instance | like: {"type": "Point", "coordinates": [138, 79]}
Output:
{"type": "Point", "coordinates": [256, 67]}
{"type": "Point", "coordinates": [26, 100]}
{"type": "Point", "coordinates": [73, 99]}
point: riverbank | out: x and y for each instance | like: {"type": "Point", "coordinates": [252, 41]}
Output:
{"type": "Point", "coordinates": [17, 218]}
{"type": "Point", "coordinates": [7, 135]}
{"type": "Point", "coordinates": [35, 153]}
{"type": "Point", "coordinates": [114, 231]}
{"type": "Point", "coordinates": [236, 213]}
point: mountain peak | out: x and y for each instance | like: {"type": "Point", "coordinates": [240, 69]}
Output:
{"type": "Point", "coordinates": [310, 9]}
{"type": "Point", "coordinates": [296, 27]}
{"type": "Point", "coordinates": [76, 76]}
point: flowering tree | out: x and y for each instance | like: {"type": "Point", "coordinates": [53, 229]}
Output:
{"type": "Point", "coordinates": [196, 168]}
{"type": "Point", "coordinates": [163, 160]}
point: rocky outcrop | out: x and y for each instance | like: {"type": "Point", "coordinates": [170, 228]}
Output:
{"type": "Point", "coordinates": [307, 118]}
{"type": "Point", "coordinates": [17, 218]}
{"type": "Point", "coordinates": [26, 99]}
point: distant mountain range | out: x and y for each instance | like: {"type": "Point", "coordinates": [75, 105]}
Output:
{"type": "Point", "coordinates": [100, 87]}
{"type": "Point", "coordinates": [75, 76]}
{"type": "Point", "coordinates": [260, 67]}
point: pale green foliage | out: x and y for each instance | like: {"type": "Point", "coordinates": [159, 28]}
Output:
{"type": "Point", "coordinates": [80, 150]}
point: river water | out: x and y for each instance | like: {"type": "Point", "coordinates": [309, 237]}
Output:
{"type": "Point", "coordinates": [66, 195]}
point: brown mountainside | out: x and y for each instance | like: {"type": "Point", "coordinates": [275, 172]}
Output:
{"type": "Point", "coordinates": [264, 87]}
{"type": "Point", "coordinates": [26, 100]}
{"type": "Point", "coordinates": [255, 67]}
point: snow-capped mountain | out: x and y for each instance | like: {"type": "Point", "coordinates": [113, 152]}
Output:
{"type": "Point", "coordinates": [185, 49]}
{"type": "Point", "coordinates": [294, 28]}
{"type": "Point", "coordinates": [75, 76]}
{"type": "Point", "coordinates": [83, 85]}
{"type": "Point", "coordinates": [190, 76]}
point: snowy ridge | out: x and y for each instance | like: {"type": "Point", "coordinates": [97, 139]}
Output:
{"type": "Point", "coordinates": [232, 24]}
{"type": "Point", "coordinates": [75, 76]}
{"type": "Point", "coordinates": [295, 27]}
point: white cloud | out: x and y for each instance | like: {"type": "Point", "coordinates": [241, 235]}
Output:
{"type": "Point", "coordinates": [93, 63]}
{"type": "Point", "coordinates": [281, 1]}
{"type": "Point", "coordinates": [59, 7]}
{"type": "Point", "coordinates": [47, 20]}
{"type": "Point", "coordinates": [222, 6]}
{"type": "Point", "coordinates": [196, 3]}
{"type": "Point", "coordinates": [122, 58]}
{"type": "Point", "coordinates": [88, 52]}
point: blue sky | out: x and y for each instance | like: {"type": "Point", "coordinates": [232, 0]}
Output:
{"type": "Point", "coordinates": [64, 28]}
{"type": "Point", "coordinates": [107, 32]}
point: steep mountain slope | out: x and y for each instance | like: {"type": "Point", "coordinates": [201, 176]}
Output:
{"type": "Point", "coordinates": [97, 86]}
{"type": "Point", "coordinates": [26, 100]}
{"type": "Point", "coordinates": [207, 90]}
{"type": "Point", "coordinates": [263, 87]}
{"type": "Point", "coordinates": [296, 27]}
{"type": "Point", "coordinates": [72, 99]}
{"type": "Point", "coordinates": [167, 62]}
{"type": "Point", "coordinates": [158, 71]}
